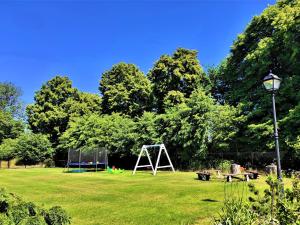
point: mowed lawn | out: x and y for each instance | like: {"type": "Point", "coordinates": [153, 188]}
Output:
{"type": "Point", "coordinates": [142, 199]}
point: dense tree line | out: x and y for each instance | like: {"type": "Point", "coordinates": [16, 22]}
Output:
{"type": "Point", "coordinates": [192, 111]}
{"type": "Point", "coordinates": [171, 105]}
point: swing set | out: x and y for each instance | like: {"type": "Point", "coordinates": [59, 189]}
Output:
{"type": "Point", "coordinates": [144, 149]}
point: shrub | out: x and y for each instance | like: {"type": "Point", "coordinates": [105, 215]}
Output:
{"type": "Point", "coordinates": [275, 206]}
{"type": "Point", "coordinates": [13, 210]}
{"type": "Point", "coordinates": [56, 215]}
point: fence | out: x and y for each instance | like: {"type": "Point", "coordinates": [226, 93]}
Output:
{"type": "Point", "coordinates": [246, 159]}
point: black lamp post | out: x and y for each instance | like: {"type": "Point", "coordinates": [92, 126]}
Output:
{"type": "Point", "coordinates": [272, 84]}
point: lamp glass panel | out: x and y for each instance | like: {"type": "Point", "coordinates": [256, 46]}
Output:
{"type": "Point", "coordinates": [268, 84]}
{"type": "Point", "coordinates": [276, 84]}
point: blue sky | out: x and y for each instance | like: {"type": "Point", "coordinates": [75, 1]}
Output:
{"type": "Point", "coordinates": [82, 39]}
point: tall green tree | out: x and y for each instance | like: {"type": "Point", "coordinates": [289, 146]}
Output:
{"type": "Point", "coordinates": [180, 72]}
{"type": "Point", "coordinates": [125, 90]}
{"type": "Point", "coordinates": [55, 104]}
{"type": "Point", "coordinates": [10, 99]}
{"type": "Point", "coordinates": [270, 42]}
{"type": "Point", "coordinates": [49, 115]}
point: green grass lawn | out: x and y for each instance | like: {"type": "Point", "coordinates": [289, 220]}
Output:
{"type": "Point", "coordinates": [102, 198]}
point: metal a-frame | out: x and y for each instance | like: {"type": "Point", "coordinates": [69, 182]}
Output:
{"type": "Point", "coordinates": [154, 170]}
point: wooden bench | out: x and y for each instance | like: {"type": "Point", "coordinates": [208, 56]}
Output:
{"type": "Point", "coordinates": [205, 176]}
{"type": "Point", "coordinates": [229, 177]}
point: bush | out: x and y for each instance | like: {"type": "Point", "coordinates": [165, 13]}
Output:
{"type": "Point", "coordinates": [13, 210]}
{"type": "Point", "coordinates": [275, 206]}
{"type": "Point", "coordinates": [57, 215]}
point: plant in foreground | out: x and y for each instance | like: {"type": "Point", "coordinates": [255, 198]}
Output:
{"type": "Point", "coordinates": [269, 208]}
{"type": "Point", "coordinates": [13, 210]}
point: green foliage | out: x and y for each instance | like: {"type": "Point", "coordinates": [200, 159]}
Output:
{"type": "Point", "coordinates": [13, 211]}
{"type": "Point", "coordinates": [191, 129]}
{"type": "Point", "coordinates": [9, 99]}
{"type": "Point", "coordinates": [291, 131]}
{"type": "Point", "coordinates": [56, 103]}
{"type": "Point", "coordinates": [48, 115]}
{"type": "Point", "coordinates": [179, 72]}
{"type": "Point", "coordinates": [33, 148]}
{"type": "Point", "coordinates": [114, 131]}
{"type": "Point", "coordinates": [216, 83]}
{"type": "Point", "coordinates": [125, 90]}
{"type": "Point", "coordinates": [235, 212]}
{"type": "Point", "coordinates": [173, 98]}
{"type": "Point", "coordinates": [57, 215]}
{"type": "Point", "coordinates": [8, 149]}
{"type": "Point", "coordinates": [275, 206]}
{"type": "Point", "coordinates": [9, 127]}
{"type": "Point", "coordinates": [146, 130]}
{"type": "Point", "coordinates": [270, 41]}
{"type": "Point", "coordinates": [83, 103]}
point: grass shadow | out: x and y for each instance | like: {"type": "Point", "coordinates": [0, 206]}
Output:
{"type": "Point", "coordinates": [209, 200]}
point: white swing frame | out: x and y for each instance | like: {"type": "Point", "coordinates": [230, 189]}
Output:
{"type": "Point", "coordinates": [162, 147]}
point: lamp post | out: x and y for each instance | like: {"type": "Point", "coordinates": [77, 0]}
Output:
{"type": "Point", "coordinates": [272, 84]}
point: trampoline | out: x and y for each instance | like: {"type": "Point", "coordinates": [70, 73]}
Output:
{"type": "Point", "coordinates": [87, 160]}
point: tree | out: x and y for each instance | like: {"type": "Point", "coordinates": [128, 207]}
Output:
{"type": "Point", "coordinates": [33, 148]}
{"type": "Point", "coordinates": [10, 99]}
{"type": "Point", "coordinates": [216, 85]}
{"type": "Point", "coordinates": [290, 125]}
{"type": "Point", "coordinates": [9, 127]}
{"type": "Point", "coordinates": [225, 126]}
{"type": "Point", "coordinates": [179, 72]}
{"type": "Point", "coordinates": [8, 150]}
{"type": "Point", "coordinates": [173, 98]}
{"type": "Point", "coordinates": [55, 104]}
{"type": "Point", "coordinates": [270, 41]}
{"type": "Point", "coordinates": [116, 132]}
{"type": "Point", "coordinates": [147, 131]}
{"type": "Point", "coordinates": [125, 90]}
{"type": "Point", "coordinates": [48, 115]}
{"type": "Point", "coordinates": [83, 103]}
{"type": "Point", "coordinates": [191, 129]}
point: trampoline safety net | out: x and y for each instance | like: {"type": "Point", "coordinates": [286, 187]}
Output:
{"type": "Point", "coordinates": [87, 159]}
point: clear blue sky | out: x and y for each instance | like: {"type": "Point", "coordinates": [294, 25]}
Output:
{"type": "Point", "coordinates": [81, 39]}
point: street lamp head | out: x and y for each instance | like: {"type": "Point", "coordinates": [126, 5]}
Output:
{"type": "Point", "coordinates": [271, 82]}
